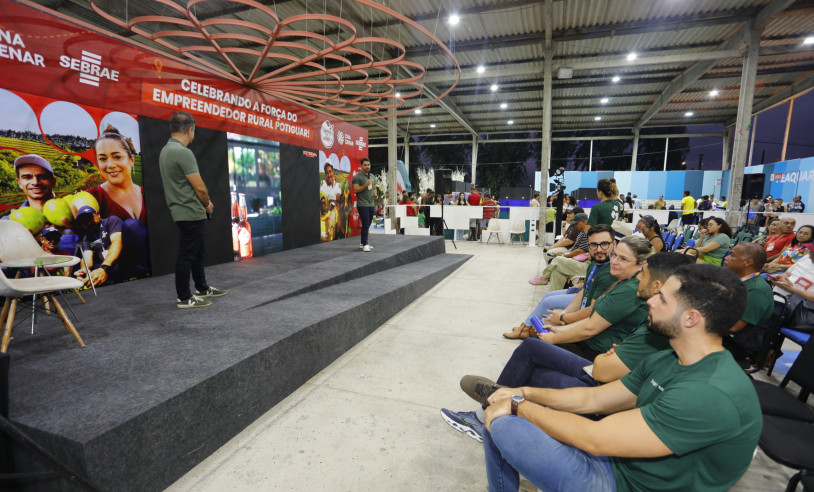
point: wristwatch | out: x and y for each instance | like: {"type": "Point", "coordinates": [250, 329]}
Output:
{"type": "Point", "coordinates": [516, 401]}
{"type": "Point", "coordinates": [562, 321]}
{"type": "Point", "coordinates": [104, 267]}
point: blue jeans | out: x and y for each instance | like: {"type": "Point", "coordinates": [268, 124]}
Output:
{"type": "Point", "coordinates": [366, 215]}
{"type": "Point", "coordinates": [515, 445]}
{"type": "Point", "coordinates": [556, 299]}
{"type": "Point", "coordinates": [543, 365]}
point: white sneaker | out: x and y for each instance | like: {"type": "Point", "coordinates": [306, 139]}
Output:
{"type": "Point", "coordinates": [361, 246]}
{"type": "Point", "coordinates": [367, 248]}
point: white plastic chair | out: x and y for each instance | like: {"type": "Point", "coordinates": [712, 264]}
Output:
{"type": "Point", "coordinates": [19, 249]}
{"type": "Point", "coordinates": [15, 289]}
{"type": "Point", "coordinates": [493, 228]}
{"type": "Point", "coordinates": [518, 229]}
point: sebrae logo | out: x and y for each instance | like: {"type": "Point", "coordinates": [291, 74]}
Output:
{"type": "Point", "coordinates": [89, 67]}
{"type": "Point", "coordinates": [327, 134]}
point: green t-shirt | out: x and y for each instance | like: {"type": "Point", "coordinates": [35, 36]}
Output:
{"type": "Point", "coordinates": [605, 212]}
{"type": "Point", "coordinates": [365, 197]}
{"type": "Point", "coordinates": [721, 239]}
{"type": "Point", "coordinates": [708, 415]}
{"type": "Point", "coordinates": [623, 310]}
{"type": "Point", "coordinates": [176, 162]}
{"type": "Point", "coordinates": [760, 301]}
{"type": "Point", "coordinates": [640, 345]}
{"type": "Point", "coordinates": [601, 280]}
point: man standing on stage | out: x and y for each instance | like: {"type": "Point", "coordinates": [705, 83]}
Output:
{"type": "Point", "coordinates": [189, 204]}
{"type": "Point", "coordinates": [365, 190]}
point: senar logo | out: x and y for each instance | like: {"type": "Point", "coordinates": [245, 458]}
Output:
{"type": "Point", "coordinates": [89, 67]}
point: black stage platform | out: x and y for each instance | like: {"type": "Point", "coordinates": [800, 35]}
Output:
{"type": "Point", "coordinates": [157, 389]}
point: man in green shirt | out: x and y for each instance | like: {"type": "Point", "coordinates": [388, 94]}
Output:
{"type": "Point", "coordinates": [365, 190]}
{"type": "Point", "coordinates": [189, 203]}
{"type": "Point", "coordinates": [683, 419]}
{"type": "Point", "coordinates": [746, 336]}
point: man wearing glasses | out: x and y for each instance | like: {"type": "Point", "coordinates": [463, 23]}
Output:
{"type": "Point", "coordinates": [577, 306]}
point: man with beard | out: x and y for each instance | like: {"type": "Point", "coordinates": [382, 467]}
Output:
{"type": "Point", "coordinates": [543, 365]}
{"type": "Point", "coordinates": [683, 419]}
{"type": "Point", "coordinates": [36, 178]}
{"type": "Point", "coordinates": [577, 306]}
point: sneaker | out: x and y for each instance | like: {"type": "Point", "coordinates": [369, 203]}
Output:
{"type": "Point", "coordinates": [192, 302]}
{"type": "Point", "coordinates": [466, 422]}
{"type": "Point", "coordinates": [211, 292]}
{"type": "Point", "coordinates": [367, 249]}
{"type": "Point", "coordinates": [478, 388]}
{"type": "Point", "coordinates": [361, 246]}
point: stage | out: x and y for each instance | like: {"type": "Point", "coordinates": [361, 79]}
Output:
{"type": "Point", "coordinates": [157, 389]}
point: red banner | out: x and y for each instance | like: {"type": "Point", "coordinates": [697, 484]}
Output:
{"type": "Point", "coordinates": [44, 55]}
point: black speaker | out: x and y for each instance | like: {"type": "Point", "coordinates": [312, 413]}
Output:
{"type": "Point", "coordinates": [443, 182]}
{"type": "Point", "coordinates": [753, 185]}
{"type": "Point", "coordinates": [587, 194]}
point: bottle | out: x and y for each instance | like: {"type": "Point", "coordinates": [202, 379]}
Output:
{"type": "Point", "coordinates": [244, 231]}
{"type": "Point", "coordinates": [235, 222]}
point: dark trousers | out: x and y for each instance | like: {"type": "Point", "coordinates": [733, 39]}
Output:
{"type": "Point", "coordinates": [366, 215]}
{"type": "Point", "coordinates": [191, 253]}
{"type": "Point", "coordinates": [543, 365]}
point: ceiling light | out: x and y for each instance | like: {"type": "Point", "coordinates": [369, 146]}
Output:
{"type": "Point", "coordinates": [688, 113]}
{"type": "Point", "coordinates": [432, 125]}
{"type": "Point", "coordinates": [809, 40]}
{"type": "Point", "coordinates": [604, 100]}
{"type": "Point", "coordinates": [398, 94]}
{"type": "Point", "coordinates": [418, 111]}
{"type": "Point", "coordinates": [510, 122]}
{"type": "Point", "coordinates": [616, 78]}
{"type": "Point", "coordinates": [481, 69]}
{"type": "Point", "coordinates": [713, 92]}
{"type": "Point", "coordinates": [454, 20]}
{"type": "Point", "coordinates": [597, 118]}
{"type": "Point", "coordinates": [631, 56]}
{"type": "Point", "coordinates": [494, 87]}
{"type": "Point", "coordinates": [503, 105]}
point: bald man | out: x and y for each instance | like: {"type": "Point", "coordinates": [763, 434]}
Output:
{"type": "Point", "coordinates": [746, 261]}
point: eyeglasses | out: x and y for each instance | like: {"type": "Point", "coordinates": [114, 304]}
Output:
{"type": "Point", "coordinates": [602, 245]}
{"type": "Point", "coordinates": [622, 259]}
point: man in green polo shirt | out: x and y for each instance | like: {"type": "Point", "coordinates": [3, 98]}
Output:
{"type": "Point", "coordinates": [683, 419]}
{"type": "Point", "coordinates": [746, 336]}
{"type": "Point", "coordinates": [189, 203]}
{"type": "Point", "coordinates": [364, 187]}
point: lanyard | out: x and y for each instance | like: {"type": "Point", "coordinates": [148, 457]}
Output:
{"type": "Point", "coordinates": [588, 282]}
{"type": "Point", "coordinates": [751, 275]}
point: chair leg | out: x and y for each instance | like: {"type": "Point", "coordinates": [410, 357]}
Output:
{"type": "Point", "coordinates": [81, 299]}
{"type": "Point", "coordinates": [9, 323]}
{"type": "Point", "coordinates": [69, 327]}
{"type": "Point", "coordinates": [5, 310]}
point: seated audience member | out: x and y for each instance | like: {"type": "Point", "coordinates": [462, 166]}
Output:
{"type": "Point", "coordinates": [713, 246]}
{"type": "Point", "coordinates": [683, 419]}
{"type": "Point", "coordinates": [578, 305]}
{"type": "Point", "coordinates": [769, 233]}
{"type": "Point", "coordinates": [616, 312]}
{"type": "Point", "coordinates": [746, 261]}
{"type": "Point", "coordinates": [566, 265]}
{"type": "Point", "coordinates": [569, 238]}
{"type": "Point", "coordinates": [796, 205]}
{"type": "Point", "coordinates": [785, 234]}
{"type": "Point", "coordinates": [793, 252]}
{"type": "Point", "coordinates": [539, 364]}
{"type": "Point", "coordinates": [778, 205]}
{"type": "Point", "coordinates": [649, 227]}
{"type": "Point", "coordinates": [799, 278]}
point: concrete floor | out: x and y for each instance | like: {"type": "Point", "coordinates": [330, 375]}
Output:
{"type": "Point", "coordinates": [371, 421]}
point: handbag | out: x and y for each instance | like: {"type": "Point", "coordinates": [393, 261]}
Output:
{"type": "Point", "coordinates": [800, 315]}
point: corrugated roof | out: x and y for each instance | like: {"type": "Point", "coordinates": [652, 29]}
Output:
{"type": "Point", "coordinates": [507, 37]}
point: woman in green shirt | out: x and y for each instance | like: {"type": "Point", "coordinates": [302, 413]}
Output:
{"type": "Point", "coordinates": [609, 209]}
{"type": "Point", "coordinates": [714, 245]}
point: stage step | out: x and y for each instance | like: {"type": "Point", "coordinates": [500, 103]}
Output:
{"type": "Point", "coordinates": [157, 391]}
